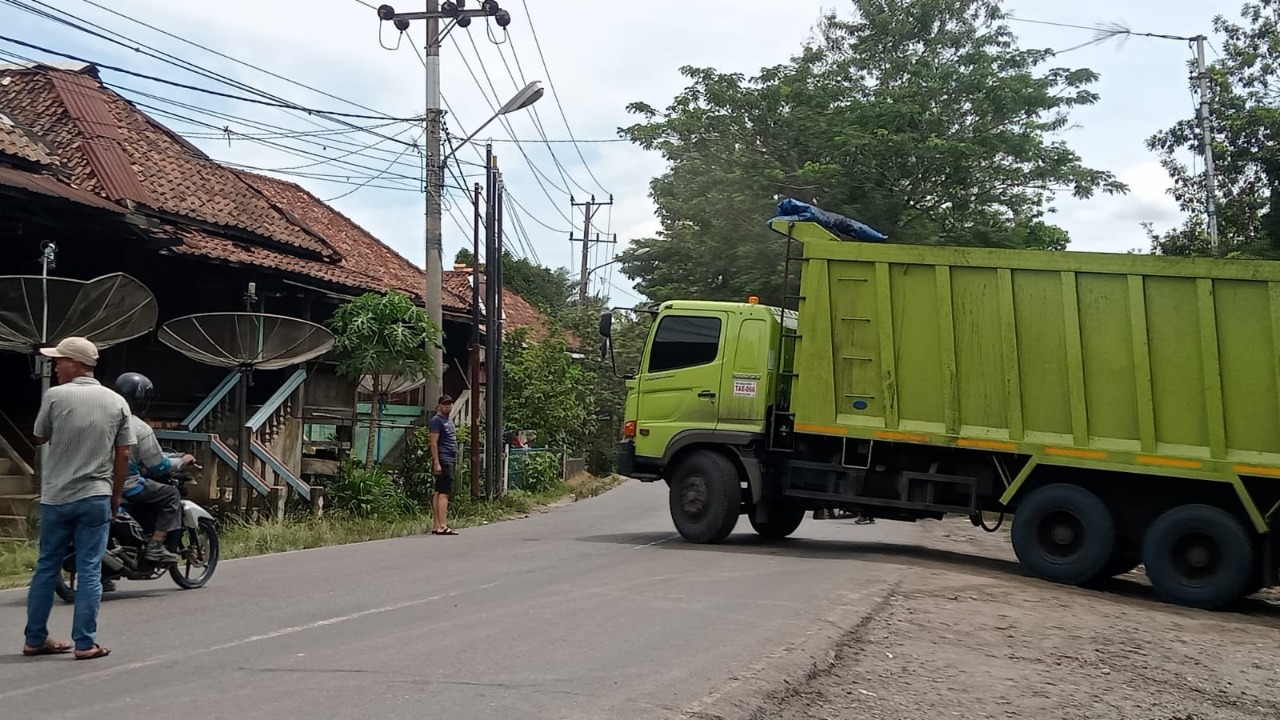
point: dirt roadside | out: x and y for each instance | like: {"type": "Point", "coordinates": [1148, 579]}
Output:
{"type": "Point", "coordinates": [964, 635]}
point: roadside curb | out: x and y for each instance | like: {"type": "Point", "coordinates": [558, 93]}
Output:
{"type": "Point", "coordinates": [757, 693]}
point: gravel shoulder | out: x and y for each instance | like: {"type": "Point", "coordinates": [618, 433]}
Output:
{"type": "Point", "coordinates": [963, 634]}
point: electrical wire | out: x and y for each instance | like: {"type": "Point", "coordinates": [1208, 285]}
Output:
{"type": "Point", "coordinates": [137, 46]}
{"type": "Point", "coordinates": [537, 117]}
{"type": "Point", "coordinates": [194, 88]}
{"type": "Point", "coordinates": [556, 96]}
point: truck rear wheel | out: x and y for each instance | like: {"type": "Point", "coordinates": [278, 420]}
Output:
{"type": "Point", "coordinates": [1064, 534]}
{"type": "Point", "coordinates": [784, 518]}
{"type": "Point", "coordinates": [705, 498]}
{"type": "Point", "coordinates": [1198, 556]}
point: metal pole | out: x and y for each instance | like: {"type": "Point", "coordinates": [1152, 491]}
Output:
{"type": "Point", "coordinates": [499, 478]}
{"type": "Point", "coordinates": [492, 433]}
{"type": "Point", "coordinates": [475, 352]}
{"type": "Point", "coordinates": [242, 441]}
{"type": "Point", "coordinates": [1210, 177]}
{"type": "Point", "coordinates": [434, 192]}
{"type": "Point", "coordinates": [585, 276]}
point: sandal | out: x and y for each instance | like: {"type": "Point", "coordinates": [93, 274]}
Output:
{"type": "Point", "coordinates": [446, 531]}
{"type": "Point", "coordinates": [50, 647]}
{"type": "Point", "coordinates": [93, 654]}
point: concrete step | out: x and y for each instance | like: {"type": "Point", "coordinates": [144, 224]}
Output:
{"type": "Point", "coordinates": [14, 527]}
{"type": "Point", "coordinates": [22, 505]}
{"type": "Point", "coordinates": [15, 485]}
{"type": "Point", "coordinates": [8, 466]}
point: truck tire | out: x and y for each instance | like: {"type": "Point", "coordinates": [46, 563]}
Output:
{"type": "Point", "coordinates": [1064, 534]}
{"type": "Point", "coordinates": [705, 497]}
{"type": "Point", "coordinates": [1198, 556]}
{"type": "Point", "coordinates": [784, 518]}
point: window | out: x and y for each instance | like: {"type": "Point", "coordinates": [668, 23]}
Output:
{"type": "Point", "coordinates": [684, 341]}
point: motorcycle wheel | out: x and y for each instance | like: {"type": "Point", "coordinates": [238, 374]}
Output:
{"type": "Point", "coordinates": [65, 588]}
{"type": "Point", "coordinates": [199, 555]}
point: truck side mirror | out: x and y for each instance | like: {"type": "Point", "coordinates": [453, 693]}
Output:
{"type": "Point", "coordinates": [606, 324]}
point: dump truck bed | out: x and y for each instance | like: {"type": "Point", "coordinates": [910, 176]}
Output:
{"type": "Point", "coordinates": [1080, 358]}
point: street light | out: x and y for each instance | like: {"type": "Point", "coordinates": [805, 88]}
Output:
{"type": "Point", "coordinates": [527, 96]}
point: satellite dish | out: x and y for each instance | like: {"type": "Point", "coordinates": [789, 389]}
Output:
{"type": "Point", "coordinates": [248, 342]}
{"type": "Point", "coordinates": [392, 383]}
{"type": "Point", "coordinates": [39, 311]}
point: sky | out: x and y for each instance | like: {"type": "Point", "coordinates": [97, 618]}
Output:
{"type": "Point", "coordinates": [596, 57]}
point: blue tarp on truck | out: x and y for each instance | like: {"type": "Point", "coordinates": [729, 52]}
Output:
{"type": "Point", "coordinates": [792, 210]}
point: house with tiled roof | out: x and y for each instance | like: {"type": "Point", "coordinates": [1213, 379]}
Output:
{"type": "Point", "coordinates": [117, 191]}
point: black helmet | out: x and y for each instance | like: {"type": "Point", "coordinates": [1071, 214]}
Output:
{"type": "Point", "coordinates": [137, 389]}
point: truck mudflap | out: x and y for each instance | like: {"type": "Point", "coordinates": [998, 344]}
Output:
{"type": "Point", "coordinates": [626, 459]}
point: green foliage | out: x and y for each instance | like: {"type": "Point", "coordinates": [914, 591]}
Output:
{"type": "Point", "coordinates": [1244, 102]}
{"type": "Point", "coordinates": [371, 493]}
{"type": "Point", "coordinates": [383, 334]}
{"type": "Point", "coordinates": [546, 390]}
{"type": "Point", "coordinates": [922, 118]}
{"type": "Point", "coordinates": [416, 466]}
{"type": "Point", "coordinates": [629, 334]}
{"type": "Point", "coordinates": [541, 471]}
{"type": "Point", "coordinates": [546, 289]}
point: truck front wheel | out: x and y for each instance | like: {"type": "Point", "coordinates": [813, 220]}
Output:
{"type": "Point", "coordinates": [1198, 556]}
{"type": "Point", "coordinates": [784, 518]}
{"type": "Point", "coordinates": [706, 497]}
{"type": "Point", "coordinates": [1064, 534]}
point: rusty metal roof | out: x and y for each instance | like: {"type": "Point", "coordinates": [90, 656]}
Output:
{"type": "Point", "coordinates": [45, 185]}
{"type": "Point", "coordinates": [103, 144]}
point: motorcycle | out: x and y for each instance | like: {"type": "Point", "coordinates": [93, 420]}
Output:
{"type": "Point", "coordinates": [195, 544]}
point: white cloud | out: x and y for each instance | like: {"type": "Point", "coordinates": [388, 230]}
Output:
{"type": "Point", "coordinates": [1112, 223]}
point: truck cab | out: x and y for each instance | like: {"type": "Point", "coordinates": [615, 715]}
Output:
{"type": "Point", "coordinates": [706, 376]}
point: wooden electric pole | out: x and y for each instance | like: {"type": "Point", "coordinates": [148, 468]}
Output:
{"type": "Point", "coordinates": [589, 209]}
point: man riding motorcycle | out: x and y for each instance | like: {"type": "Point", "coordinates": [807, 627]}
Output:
{"type": "Point", "coordinates": [147, 458]}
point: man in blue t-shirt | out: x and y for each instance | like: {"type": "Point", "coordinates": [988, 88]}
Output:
{"type": "Point", "coordinates": [444, 453]}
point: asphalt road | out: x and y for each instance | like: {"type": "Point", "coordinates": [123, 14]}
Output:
{"type": "Point", "coordinates": [594, 610]}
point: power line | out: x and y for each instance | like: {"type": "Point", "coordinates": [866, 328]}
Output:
{"type": "Point", "coordinates": [537, 117]}
{"type": "Point", "coordinates": [555, 95]}
{"type": "Point", "coordinates": [375, 177]}
{"type": "Point", "coordinates": [132, 44]}
{"type": "Point", "coordinates": [194, 88]}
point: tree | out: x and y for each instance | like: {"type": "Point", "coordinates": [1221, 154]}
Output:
{"type": "Point", "coordinates": [380, 335]}
{"type": "Point", "coordinates": [610, 390]}
{"type": "Point", "coordinates": [546, 390]}
{"type": "Point", "coordinates": [922, 118]}
{"type": "Point", "coordinates": [546, 289]}
{"type": "Point", "coordinates": [1244, 103]}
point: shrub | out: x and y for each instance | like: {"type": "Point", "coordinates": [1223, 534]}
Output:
{"type": "Point", "coordinates": [541, 471]}
{"type": "Point", "coordinates": [369, 493]}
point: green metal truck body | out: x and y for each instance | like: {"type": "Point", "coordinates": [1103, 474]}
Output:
{"type": "Point", "coordinates": [1124, 408]}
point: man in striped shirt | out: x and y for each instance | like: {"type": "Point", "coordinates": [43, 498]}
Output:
{"type": "Point", "coordinates": [86, 433]}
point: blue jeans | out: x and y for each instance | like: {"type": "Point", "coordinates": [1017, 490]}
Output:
{"type": "Point", "coordinates": [88, 522]}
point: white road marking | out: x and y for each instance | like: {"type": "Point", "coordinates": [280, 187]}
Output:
{"type": "Point", "coordinates": [169, 657]}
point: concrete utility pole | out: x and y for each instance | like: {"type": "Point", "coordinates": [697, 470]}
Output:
{"type": "Point", "coordinates": [456, 12]}
{"type": "Point", "coordinates": [1210, 176]}
{"type": "Point", "coordinates": [493, 328]}
{"type": "Point", "coordinates": [589, 210]}
{"type": "Point", "coordinates": [474, 379]}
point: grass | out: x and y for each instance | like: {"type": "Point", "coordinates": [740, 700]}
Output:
{"type": "Point", "coordinates": [17, 559]}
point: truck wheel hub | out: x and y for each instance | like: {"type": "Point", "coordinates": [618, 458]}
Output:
{"type": "Point", "coordinates": [693, 497]}
{"type": "Point", "coordinates": [1061, 535]}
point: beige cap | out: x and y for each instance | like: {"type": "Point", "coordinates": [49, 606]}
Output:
{"type": "Point", "coordinates": [82, 350]}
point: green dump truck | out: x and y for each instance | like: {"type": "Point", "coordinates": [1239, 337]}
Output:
{"type": "Point", "coordinates": [1124, 409]}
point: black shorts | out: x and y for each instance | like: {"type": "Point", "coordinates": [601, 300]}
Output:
{"type": "Point", "coordinates": [444, 480]}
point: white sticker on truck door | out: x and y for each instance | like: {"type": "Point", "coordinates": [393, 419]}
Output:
{"type": "Point", "coordinates": [744, 388]}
